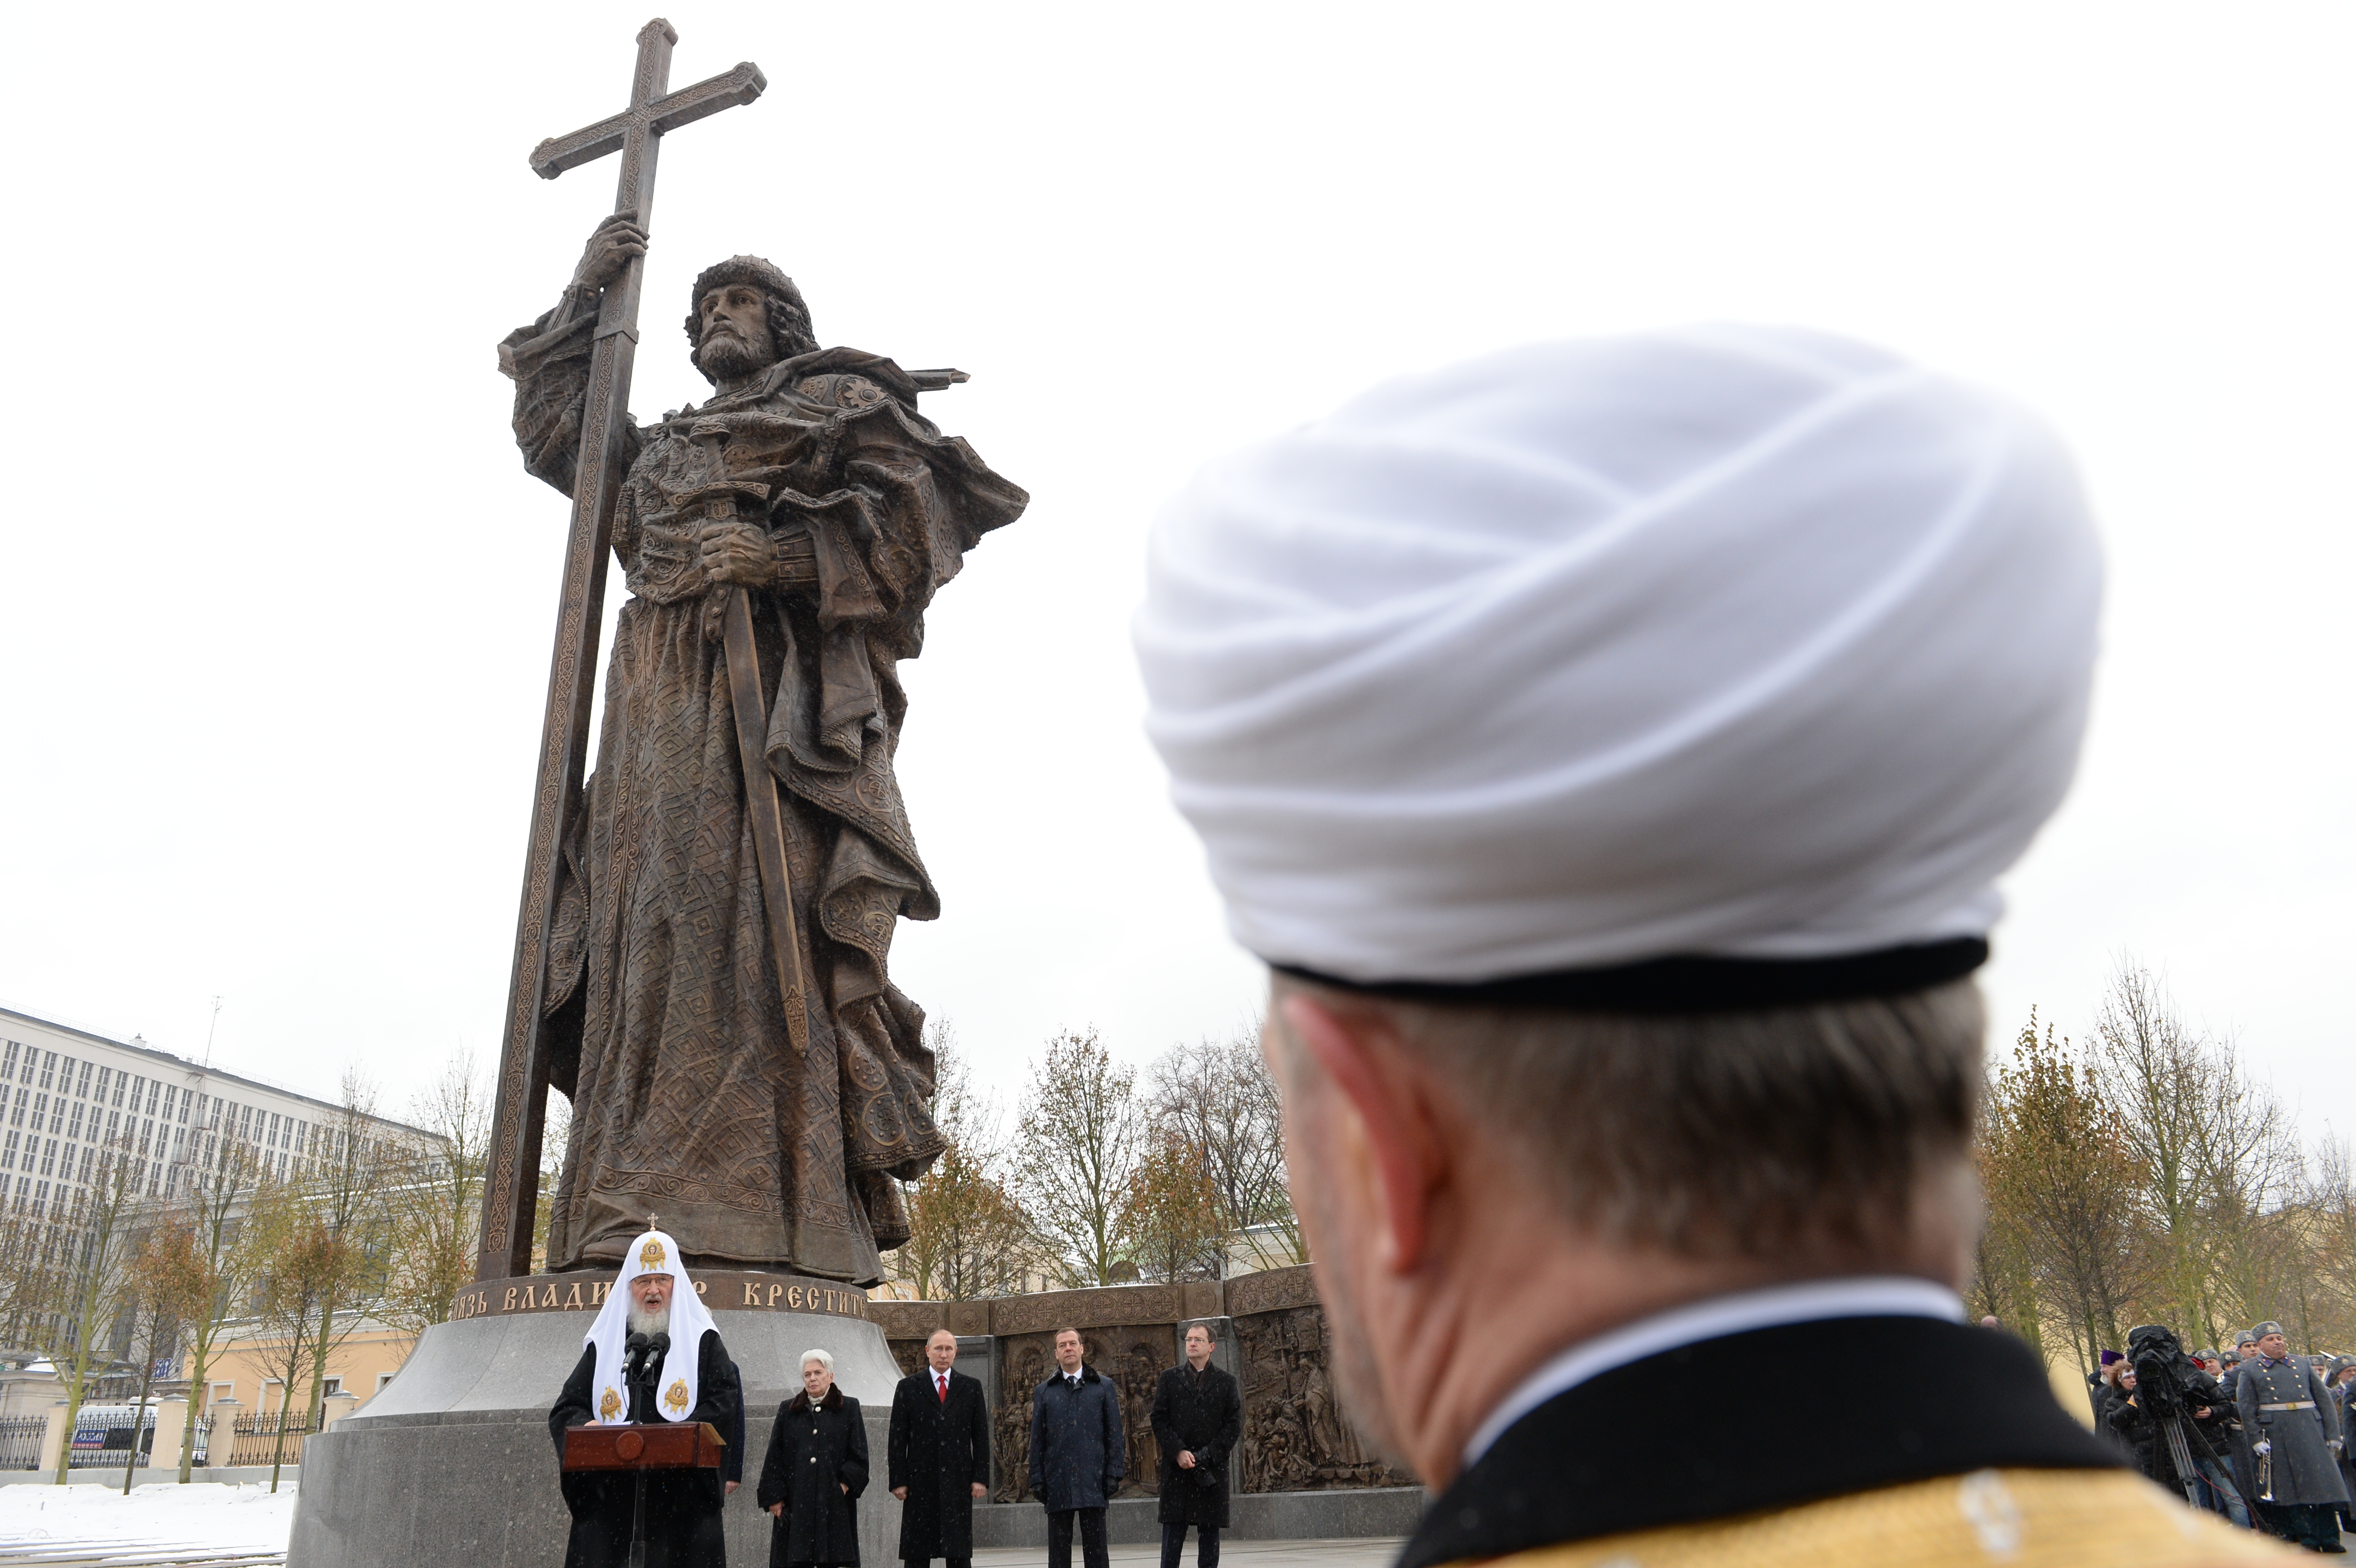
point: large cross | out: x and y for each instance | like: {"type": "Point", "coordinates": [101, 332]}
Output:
{"type": "Point", "coordinates": [511, 1191]}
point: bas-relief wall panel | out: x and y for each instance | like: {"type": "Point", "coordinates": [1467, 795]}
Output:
{"type": "Point", "coordinates": [1133, 1356]}
{"type": "Point", "coordinates": [1297, 1436]}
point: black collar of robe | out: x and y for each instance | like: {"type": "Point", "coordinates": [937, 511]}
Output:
{"type": "Point", "coordinates": [802, 1402]}
{"type": "Point", "coordinates": [1707, 1431]}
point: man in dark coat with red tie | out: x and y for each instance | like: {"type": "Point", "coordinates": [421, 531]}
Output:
{"type": "Point", "coordinates": [939, 1456]}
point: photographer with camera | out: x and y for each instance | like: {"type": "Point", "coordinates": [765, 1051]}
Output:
{"type": "Point", "coordinates": [2175, 1417]}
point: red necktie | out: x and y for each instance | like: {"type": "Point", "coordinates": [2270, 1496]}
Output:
{"type": "Point", "coordinates": [941, 1381]}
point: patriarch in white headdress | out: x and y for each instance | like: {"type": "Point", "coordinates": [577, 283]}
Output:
{"type": "Point", "coordinates": [669, 1341]}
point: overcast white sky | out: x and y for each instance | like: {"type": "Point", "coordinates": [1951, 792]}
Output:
{"type": "Point", "coordinates": [276, 596]}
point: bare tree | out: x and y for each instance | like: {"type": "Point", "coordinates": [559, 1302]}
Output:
{"type": "Point", "coordinates": [1079, 1135]}
{"type": "Point", "coordinates": [1220, 1097]}
{"type": "Point", "coordinates": [1172, 1219]}
{"type": "Point", "coordinates": [83, 1267]}
{"type": "Point", "coordinates": [2161, 1087]}
{"type": "Point", "coordinates": [306, 1270]}
{"type": "Point", "coordinates": [969, 1235]}
{"type": "Point", "coordinates": [223, 1185]}
{"type": "Point", "coordinates": [435, 1200]}
{"type": "Point", "coordinates": [351, 1180]}
{"type": "Point", "coordinates": [167, 1286]}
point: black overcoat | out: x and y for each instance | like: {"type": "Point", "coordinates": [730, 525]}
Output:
{"type": "Point", "coordinates": [817, 1467]}
{"type": "Point", "coordinates": [1201, 1413]}
{"type": "Point", "coordinates": [1562, 1473]}
{"type": "Point", "coordinates": [940, 1451]}
{"type": "Point", "coordinates": [683, 1527]}
{"type": "Point", "coordinates": [1077, 1453]}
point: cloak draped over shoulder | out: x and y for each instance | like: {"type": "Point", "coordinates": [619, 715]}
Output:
{"type": "Point", "coordinates": [666, 1019]}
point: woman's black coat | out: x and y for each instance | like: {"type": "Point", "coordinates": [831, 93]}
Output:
{"type": "Point", "coordinates": [1201, 1413]}
{"type": "Point", "coordinates": [683, 1527]}
{"type": "Point", "coordinates": [940, 1451]}
{"type": "Point", "coordinates": [817, 1467]}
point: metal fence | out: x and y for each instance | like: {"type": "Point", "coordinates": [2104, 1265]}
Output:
{"type": "Point", "coordinates": [260, 1436]}
{"type": "Point", "coordinates": [20, 1442]}
{"type": "Point", "coordinates": [103, 1437]}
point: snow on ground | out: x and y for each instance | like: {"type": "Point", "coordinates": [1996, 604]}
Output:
{"type": "Point", "coordinates": [202, 1513]}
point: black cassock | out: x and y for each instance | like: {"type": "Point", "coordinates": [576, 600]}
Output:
{"type": "Point", "coordinates": [940, 1451]}
{"type": "Point", "coordinates": [815, 1454]}
{"type": "Point", "coordinates": [683, 1527]}
{"type": "Point", "coordinates": [1202, 1413]}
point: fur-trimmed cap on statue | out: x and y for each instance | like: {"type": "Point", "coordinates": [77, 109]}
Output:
{"type": "Point", "coordinates": [789, 316]}
{"type": "Point", "coordinates": [675, 1378]}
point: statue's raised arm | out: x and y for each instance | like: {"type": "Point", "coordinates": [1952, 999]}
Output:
{"type": "Point", "coordinates": [548, 360]}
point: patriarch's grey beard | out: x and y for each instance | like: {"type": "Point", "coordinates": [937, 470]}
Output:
{"type": "Point", "coordinates": [724, 357]}
{"type": "Point", "coordinates": [645, 1322]}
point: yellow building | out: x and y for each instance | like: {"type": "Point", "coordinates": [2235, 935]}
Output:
{"type": "Point", "coordinates": [250, 1371]}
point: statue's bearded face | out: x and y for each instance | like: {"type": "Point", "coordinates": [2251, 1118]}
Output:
{"type": "Point", "coordinates": [735, 339]}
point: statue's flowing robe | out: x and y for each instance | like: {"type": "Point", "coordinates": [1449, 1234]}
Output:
{"type": "Point", "coordinates": [666, 1017]}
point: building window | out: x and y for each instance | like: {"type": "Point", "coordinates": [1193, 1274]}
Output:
{"type": "Point", "coordinates": [154, 1088]}
{"type": "Point", "coordinates": [86, 1154]}
{"type": "Point", "coordinates": [49, 1158]}
{"type": "Point", "coordinates": [8, 1159]}
{"type": "Point", "coordinates": [114, 1125]}
{"type": "Point", "coordinates": [48, 1066]}
{"type": "Point", "coordinates": [382, 1379]}
{"type": "Point", "coordinates": [171, 1094]}
{"type": "Point", "coordinates": [245, 1123]}
{"type": "Point", "coordinates": [17, 1118]}
{"type": "Point", "coordinates": [40, 1109]}
{"type": "Point", "coordinates": [221, 1392]}
{"type": "Point", "coordinates": [82, 1083]}
{"type": "Point", "coordinates": [333, 1385]}
{"type": "Point", "coordinates": [8, 1065]}
{"type": "Point", "coordinates": [143, 1136]}
{"type": "Point", "coordinates": [57, 1113]}
{"type": "Point", "coordinates": [73, 1123]}
{"type": "Point", "coordinates": [121, 1081]}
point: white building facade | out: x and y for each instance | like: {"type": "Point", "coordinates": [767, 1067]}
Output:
{"type": "Point", "coordinates": [66, 1093]}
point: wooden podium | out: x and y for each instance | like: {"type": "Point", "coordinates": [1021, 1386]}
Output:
{"type": "Point", "coordinates": [644, 1445]}
{"type": "Point", "coordinates": [637, 1448]}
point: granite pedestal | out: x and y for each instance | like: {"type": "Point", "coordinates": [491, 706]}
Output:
{"type": "Point", "coordinates": [452, 1460]}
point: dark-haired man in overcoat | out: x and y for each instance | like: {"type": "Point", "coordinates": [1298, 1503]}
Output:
{"type": "Point", "coordinates": [1198, 1417]}
{"type": "Point", "coordinates": [1077, 1453]}
{"type": "Point", "coordinates": [939, 1456]}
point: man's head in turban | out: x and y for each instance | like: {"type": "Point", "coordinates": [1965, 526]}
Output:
{"type": "Point", "coordinates": [1611, 746]}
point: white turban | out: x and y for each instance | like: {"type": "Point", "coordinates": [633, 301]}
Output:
{"type": "Point", "coordinates": [1731, 642]}
{"type": "Point", "coordinates": [676, 1384]}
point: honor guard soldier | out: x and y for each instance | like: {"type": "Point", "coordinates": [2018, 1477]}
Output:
{"type": "Point", "coordinates": [2294, 1430]}
{"type": "Point", "coordinates": [1612, 747]}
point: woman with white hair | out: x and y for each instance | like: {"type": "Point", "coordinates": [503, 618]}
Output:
{"type": "Point", "coordinates": [815, 1471]}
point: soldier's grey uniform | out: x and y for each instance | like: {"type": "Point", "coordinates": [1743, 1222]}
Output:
{"type": "Point", "coordinates": [2285, 1403]}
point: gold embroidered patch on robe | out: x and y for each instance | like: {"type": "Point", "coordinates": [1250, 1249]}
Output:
{"type": "Point", "coordinates": [2023, 1519]}
{"type": "Point", "coordinates": [675, 1397]}
{"type": "Point", "coordinates": [610, 1406]}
